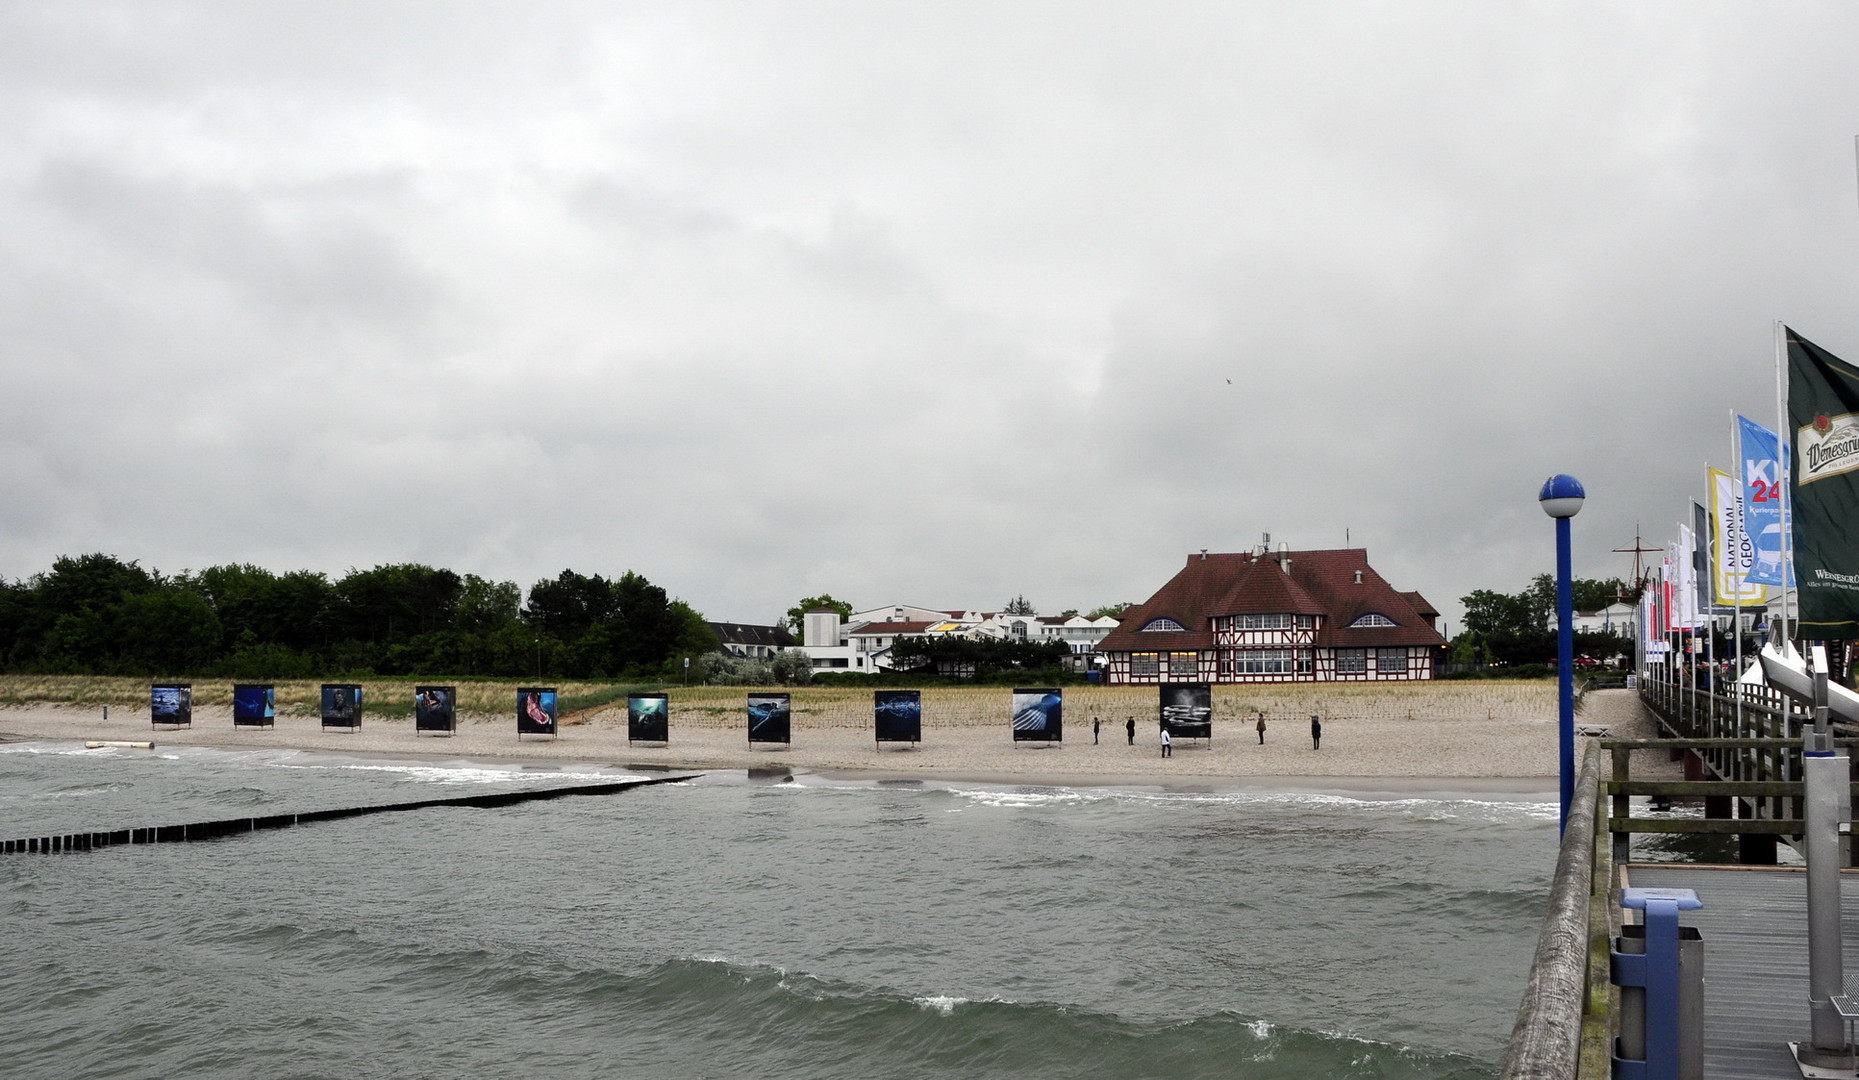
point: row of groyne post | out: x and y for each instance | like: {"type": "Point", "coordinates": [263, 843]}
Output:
{"type": "Point", "coordinates": [213, 830]}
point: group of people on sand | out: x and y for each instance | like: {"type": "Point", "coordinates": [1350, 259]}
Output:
{"type": "Point", "coordinates": [1168, 746]}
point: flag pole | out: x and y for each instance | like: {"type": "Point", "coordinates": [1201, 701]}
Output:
{"type": "Point", "coordinates": [1709, 584]}
{"type": "Point", "coordinates": [1735, 549]}
{"type": "Point", "coordinates": [1688, 597]}
{"type": "Point", "coordinates": [1781, 478]}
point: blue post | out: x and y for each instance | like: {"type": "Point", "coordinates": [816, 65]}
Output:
{"type": "Point", "coordinates": [1561, 499]}
{"type": "Point", "coordinates": [1662, 988]}
{"type": "Point", "coordinates": [1657, 970]}
{"type": "Point", "coordinates": [1565, 665]}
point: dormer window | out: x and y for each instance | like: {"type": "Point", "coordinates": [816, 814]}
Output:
{"type": "Point", "coordinates": [1163, 624]}
{"type": "Point", "coordinates": [1372, 619]}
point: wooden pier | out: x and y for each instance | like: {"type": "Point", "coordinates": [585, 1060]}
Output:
{"type": "Point", "coordinates": [1744, 766]}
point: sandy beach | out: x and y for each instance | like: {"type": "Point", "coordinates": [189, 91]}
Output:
{"type": "Point", "coordinates": [1443, 736]}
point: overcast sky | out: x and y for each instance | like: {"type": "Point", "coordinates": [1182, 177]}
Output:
{"type": "Point", "coordinates": [919, 303]}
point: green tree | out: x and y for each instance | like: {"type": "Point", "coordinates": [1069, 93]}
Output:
{"type": "Point", "coordinates": [484, 606]}
{"type": "Point", "coordinates": [1593, 594]}
{"type": "Point", "coordinates": [694, 638]}
{"type": "Point", "coordinates": [274, 610]}
{"type": "Point", "coordinates": [791, 667]}
{"type": "Point", "coordinates": [1020, 605]}
{"type": "Point", "coordinates": [1115, 611]}
{"type": "Point", "coordinates": [169, 631]}
{"type": "Point", "coordinates": [1519, 628]}
{"type": "Point", "coordinates": [392, 603]}
{"type": "Point", "coordinates": [973, 657]}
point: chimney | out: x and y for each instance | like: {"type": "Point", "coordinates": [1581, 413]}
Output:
{"type": "Point", "coordinates": [1284, 556]}
{"type": "Point", "coordinates": [1358, 577]}
{"type": "Point", "coordinates": [1203, 554]}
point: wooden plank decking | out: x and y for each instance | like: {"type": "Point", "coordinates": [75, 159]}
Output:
{"type": "Point", "coordinates": [1754, 923]}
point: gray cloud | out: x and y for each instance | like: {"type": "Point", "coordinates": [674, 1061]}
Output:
{"type": "Point", "coordinates": [935, 305]}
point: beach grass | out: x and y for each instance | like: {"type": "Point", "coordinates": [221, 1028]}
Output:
{"type": "Point", "coordinates": [981, 706]}
{"type": "Point", "coordinates": [388, 698]}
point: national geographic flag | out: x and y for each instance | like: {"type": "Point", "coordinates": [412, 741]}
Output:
{"type": "Point", "coordinates": [1823, 410]}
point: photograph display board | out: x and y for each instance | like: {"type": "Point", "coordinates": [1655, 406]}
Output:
{"type": "Point", "coordinates": [435, 708]}
{"type": "Point", "coordinates": [648, 718]}
{"type": "Point", "coordinates": [1038, 715]}
{"type": "Point", "coordinates": [342, 705]}
{"type": "Point", "coordinates": [1188, 710]}
{"type": "Point", "coordinates": [535, 711]}
{"type": "Point", "coordinates": [171, 704]}
{"type": "Point", "coordinates": [768, 718]}
{"type": "Point", "coordinates": [254, 705]}
{"type": "Point", "coordinates": [898, 715]}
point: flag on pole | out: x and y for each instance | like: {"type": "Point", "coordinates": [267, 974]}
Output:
{"type": "Point", "coordinates": [1762, 500]}
{"type": "Point", "coordinates": [1665, 592]}
{"type": "Point", "coordinates": [1731, 551]}
{"type": "Point", "coordinates": [1701, 562]}
{"type": "Point", "coordinates": [1823, 410]}
{"type": "Point", "coordinates": [1685, 588]}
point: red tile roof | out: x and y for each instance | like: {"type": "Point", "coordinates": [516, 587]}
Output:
{"type": "Point", "coordinates": [1319, 583]}
{"type": "Point", "coordinates": [888, 629]}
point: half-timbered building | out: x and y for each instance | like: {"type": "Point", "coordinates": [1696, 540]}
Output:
{"type": "Point", "coordinates": [1289, 616]}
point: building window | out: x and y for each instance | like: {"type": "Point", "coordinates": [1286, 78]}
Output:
{"type": "Point", "coordinates": [1143, 665]}
{"type": "Point", "coordinates": [1019, 629]}
{"type": "Point", "coordinates": [1270, 662]}
{"type": "Point", "coordinates": [1391, 661]}
{"type": "Point", "coordinates": [1374, 619]}
{"type": "Point", "coordinates": [1306, 622]}
{"type": "Point", "coordinates": [1351, 661]}
{"type": "Point", "coordinates": [1163, 624]}
{"type": "Point", "coordinates": [1260, 622]}
{"type": "Point", "coordinates": [1184, 665]}
{"type": "Point", "coordinates": [1226, 663]}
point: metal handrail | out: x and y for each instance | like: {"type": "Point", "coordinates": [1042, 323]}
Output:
{"type": "Point", "coordinates": [1545, 1044]}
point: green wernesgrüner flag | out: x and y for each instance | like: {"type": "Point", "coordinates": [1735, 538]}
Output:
{"type": "Point", "coordinates": [1823, 411]}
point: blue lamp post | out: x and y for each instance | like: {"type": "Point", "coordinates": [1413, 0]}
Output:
{"type": "Point", "coordinates": [1561, 497]}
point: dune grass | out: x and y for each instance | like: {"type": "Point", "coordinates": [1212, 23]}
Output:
{"type": "Point", "coordinates": [388, 698]}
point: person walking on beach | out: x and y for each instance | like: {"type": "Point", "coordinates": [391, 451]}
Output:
{"type": "Point", "coordinates": [1168, 748]}
{"type": "Point", "coordinates": [1131, 728]}
{"type": "Point", "coordinates": [1316, 733]}
{"type": "Point", "coordinates": [1094, 731]}
{"type": "Point", "coordinates": [1261, 726]}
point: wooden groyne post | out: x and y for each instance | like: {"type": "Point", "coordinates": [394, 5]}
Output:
{"type": "Point", "coordinates": [209, 830]}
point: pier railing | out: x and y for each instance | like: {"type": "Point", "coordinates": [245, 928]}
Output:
{"type": "Point", "coordinates": [1747, 766]}
{"type": "Point", "coordinates": [1564, 1025]}
{"type": "Point", "coordinates": [1741, 748]}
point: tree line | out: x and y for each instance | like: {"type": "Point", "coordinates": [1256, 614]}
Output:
{"type": "Point", "coordinates": [1517, 628]}
{"type": "Point", "coordinates": [99, 615]}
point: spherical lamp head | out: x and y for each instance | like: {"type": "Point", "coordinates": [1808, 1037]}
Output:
{"type": "Point", "coordinates": [1561, 496]}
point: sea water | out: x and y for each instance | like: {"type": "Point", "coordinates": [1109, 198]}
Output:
{"type": "Point", "coordinates": [736, 927]}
